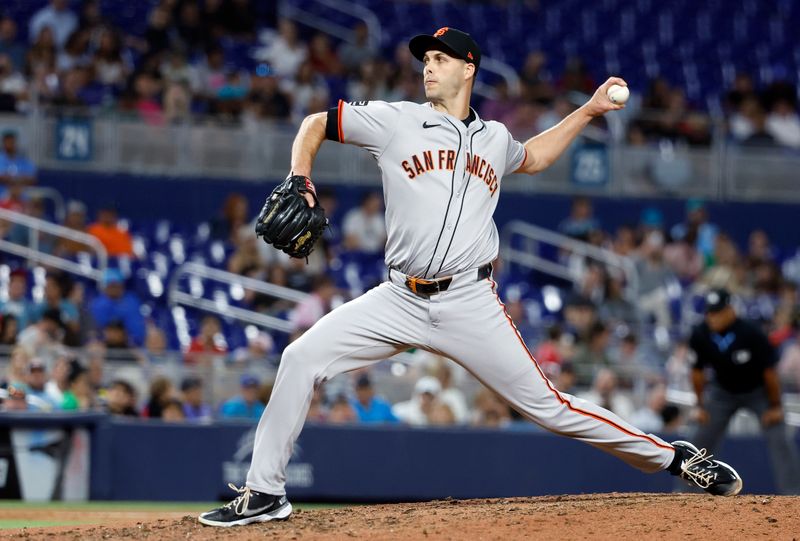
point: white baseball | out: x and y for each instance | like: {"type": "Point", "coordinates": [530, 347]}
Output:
{"type": "Point", "coordinates": [618, 94]}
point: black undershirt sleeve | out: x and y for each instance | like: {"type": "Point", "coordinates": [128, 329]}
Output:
{"type": "Point", "coordinates": [332, 126]}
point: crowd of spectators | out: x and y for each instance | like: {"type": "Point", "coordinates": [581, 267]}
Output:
{"type": "Point", "coordinates": [766, 119]}
{"type": "Point", "coordinates": [640, 334]}
{"type": "Point", "coordinates": [615, 345]}
{"type": "Point", "coordinates": [609, 344]}
{"type": "Point", "coordinates": [235, 61]}
{"type": "Point", "coordinates": [619, 347]}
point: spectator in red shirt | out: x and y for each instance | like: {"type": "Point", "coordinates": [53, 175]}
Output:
{"type": "Point", "coordinates": [208, 343]}
{"type": "Point", "coordinates": [323, 58]}
{"type": "Point", "coordinates": [549, 354]}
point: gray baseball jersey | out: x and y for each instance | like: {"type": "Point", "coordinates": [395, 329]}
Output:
{"type": "Point", "coordinates": [441, 181]}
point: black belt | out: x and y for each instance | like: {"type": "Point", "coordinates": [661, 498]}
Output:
{"type": "Point", "coordinates": [420, 286]}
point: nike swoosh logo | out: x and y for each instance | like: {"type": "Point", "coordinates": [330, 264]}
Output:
{"type": "Point", "coordinates": [426, 125]}
{"type": "Point", "coordinates": [268, 508]}
{"type": "Point", "coordinates": [251, 512]}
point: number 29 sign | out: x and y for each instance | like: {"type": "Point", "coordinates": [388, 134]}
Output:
{"type": "Point", "coordinates": [74, 139]}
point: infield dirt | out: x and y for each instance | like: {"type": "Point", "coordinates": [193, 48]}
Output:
{"type": "Point", "coordinates": [596, 516]}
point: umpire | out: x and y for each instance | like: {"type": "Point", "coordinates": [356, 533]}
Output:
{"type": "Point", "coordinates": [743, 364]}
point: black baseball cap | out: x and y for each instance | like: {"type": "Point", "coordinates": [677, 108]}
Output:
{"type": "Point", "coordinates": [717, 300]}
{"type": "Point", "coordinates": [449, 40]}
{"type": "Point", "coordinates": [191, 382]}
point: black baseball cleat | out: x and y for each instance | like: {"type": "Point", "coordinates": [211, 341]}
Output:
{"type": "Point", "coordinates": [698, 469]}
{"type": "Point", "coordinates": [248, 507]}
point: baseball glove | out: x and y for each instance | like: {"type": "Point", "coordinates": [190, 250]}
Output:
{"type": "Point", "coordinates": [287, 222]}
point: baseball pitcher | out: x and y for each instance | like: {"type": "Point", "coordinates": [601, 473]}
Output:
{"type": "Point", "coordinates": [442, 168]}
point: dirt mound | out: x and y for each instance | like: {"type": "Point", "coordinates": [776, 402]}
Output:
{"type": "Point", "coordinates": [596, 516]}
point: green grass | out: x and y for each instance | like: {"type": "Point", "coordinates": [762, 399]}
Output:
{"type": "Point", "coordinates": [141, 506]}
{"type": "Point", "coordinates": [167, 507]}
{"type": "Point", "coordinates": [107, 506]}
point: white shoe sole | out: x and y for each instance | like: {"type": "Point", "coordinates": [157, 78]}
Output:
{"type": "Point", "coordinates": [737, 487]}
{"type": "Point", "coordinates": [279, 514]}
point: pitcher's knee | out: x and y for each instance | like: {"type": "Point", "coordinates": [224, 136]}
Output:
{"type": "Point", "coordinates": [292, 353]}
{"type": "Point", "coordinates": [298, 358]}
{"type": "Point", "coordinates": [549, 413]}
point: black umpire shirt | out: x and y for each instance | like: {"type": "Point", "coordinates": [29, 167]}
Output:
{"type": "Point", "coordinates": [738, 356]}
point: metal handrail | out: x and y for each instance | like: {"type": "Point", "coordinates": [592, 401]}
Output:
{"type": "Point", "coordinates": [362, 12]}
{"type": "Point", "coordinates": [177, 297]}
{"type": "Point", "coordinates": [506, 71]}
{"type": "Point", "coordinates": [534, 261]}
{"type": "Point", "coordinates": [289, 11]}
{"type": "Point", "coordinates": [33, 252]}
{"type": "Point", "coordinates": [52, 194]}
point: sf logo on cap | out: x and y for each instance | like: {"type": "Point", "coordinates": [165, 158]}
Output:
{"type": "Point", "coordinates": [441, 31]}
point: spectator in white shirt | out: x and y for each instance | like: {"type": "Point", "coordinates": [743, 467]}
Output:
{"type": "Point", "coordinates": [308, 90]}
{"type": "Point", "coordinates": [417, 410]}
{"type": "Point", "coordinates": [605, 393]}
{"type": "Point", "coordinates": [784, 124]}
{"type": "Point", "coordinates": [451, 396]}
{"type": "Point", "coordinates": [364, 227]}
{"type": "Point", "coordinates": [36, 380]}
{"type": "Point", "coordinates": [649, 418]}
{"type": "Point", "coordinates": [13, 86]}
{"type": "Point", "coordinates": [284, 51]}
{"type": "Point", "coordinates": [58, 18]}
{"type": "Point", "coordinates": [58, 383]}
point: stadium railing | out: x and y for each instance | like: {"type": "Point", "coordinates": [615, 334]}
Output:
{"type": "Point", "coordinates": [88, 267]}
{"type": "Point", "coordinates": [192, 274]}
{"type": "Point", "coordinates": [520, 241]}
{"type": "Point", "coordinates": [205, 148]}
{"type": "Point", "coordinates": [314, 15]}
{"type": "Point", "coordinates": [357, 11]}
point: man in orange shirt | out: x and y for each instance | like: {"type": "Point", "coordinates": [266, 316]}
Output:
{"type": "Point", "coordinates": [116, 240]}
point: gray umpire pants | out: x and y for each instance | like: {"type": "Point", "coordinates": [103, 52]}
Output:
{"type": "Point", "coordinates": [466, 323]}
{"type": "Point", "coordinates": [721, 405]}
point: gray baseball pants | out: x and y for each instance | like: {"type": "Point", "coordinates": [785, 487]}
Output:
{"type": "Point", "coordinates": [467, 323]}
{"type": "Point", "coordinates": [721, 405]}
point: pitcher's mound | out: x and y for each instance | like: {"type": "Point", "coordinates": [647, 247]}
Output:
{"type": "Point", "coordinates": [596, 516]}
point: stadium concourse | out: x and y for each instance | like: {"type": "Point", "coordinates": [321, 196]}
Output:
{"type": "Point", "coordinates": [117, 345]}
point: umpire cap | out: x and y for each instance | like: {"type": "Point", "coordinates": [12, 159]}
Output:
{"type": "Point", "coordinates": [717, 300]}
